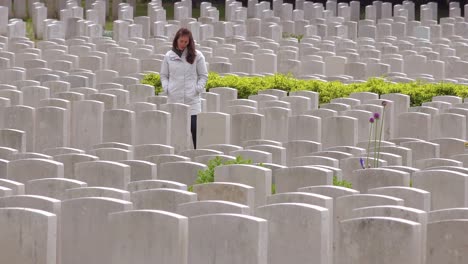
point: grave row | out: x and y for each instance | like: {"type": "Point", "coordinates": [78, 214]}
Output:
{"type": "Point", "coordinates": [320, 223]}
{"type": "Point", "coordinates": [336, 44]}
{"type": "Point", "coordinates": [147, 184]}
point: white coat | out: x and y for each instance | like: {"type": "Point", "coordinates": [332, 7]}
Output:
{"type": "Point", "coordinates": [183, 82]}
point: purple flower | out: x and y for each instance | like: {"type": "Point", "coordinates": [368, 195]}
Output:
{"type": "Point", "coordinates": [376, 116]}
{"type": "Point", "coordinates": [361, 161]}
{"type": "Point", "coordinates": [384, 103]}
{"type": "Point", "coordinates": [371, 120]}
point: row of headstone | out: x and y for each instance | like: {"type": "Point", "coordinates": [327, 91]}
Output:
{"type": "Point", "coordinates": [118, 167]}
{"type": "Point", "coordinates": [71, 128]}
{"type": "Point", "coordinates": [414, 151]}
{"type": "Point", "coordinates": [60, 231]}
{"type": "Point", "coordinates": [287, 180]}
{"type": "Point", "coordinates": [137, 57]}
{"type": "Point", "coordinates": [300, 104]}
{"type": "Point", "coordinates": [165, 170]}
{"type": "Point", "coordinates": [318, 56]}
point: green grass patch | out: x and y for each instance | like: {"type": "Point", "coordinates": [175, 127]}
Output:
{"type": "Point", "coordinates": [207, 176]}
{"type": "Point", "coordinates": [342, 183]}
{"type": "Point", "coordinates": [142, 10]}
{"type": "Point", "coordinates": [30, 29]}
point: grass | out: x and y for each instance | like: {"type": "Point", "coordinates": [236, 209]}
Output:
{"type": "Point", "coordinates": [142, 10]}
{"type": "Point", "coordinates": [30, 30]}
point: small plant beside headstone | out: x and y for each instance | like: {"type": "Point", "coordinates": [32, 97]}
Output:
{"type": "Point", "coordinates": [207, 176]}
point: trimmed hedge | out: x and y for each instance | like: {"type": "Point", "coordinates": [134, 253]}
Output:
{"type": "Point", "coordinates": [419, 92]}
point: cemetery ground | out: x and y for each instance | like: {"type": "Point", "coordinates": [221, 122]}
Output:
{"type": "Point", "coordinates": [141, 10]}
{"type": "Point", "coordinates": [329, 133]}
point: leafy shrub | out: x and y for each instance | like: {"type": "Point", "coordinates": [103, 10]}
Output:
{"type": "Point", "coordinates": [153, 80]}
{"type": "Point", "coordinates": [419, 92]}
{"type": "Point", "coordinates": [206, 176]}
{"type": "Point", "coordinates": [290, 35]}
{"type": "Point", "coordinates": [342, 183]}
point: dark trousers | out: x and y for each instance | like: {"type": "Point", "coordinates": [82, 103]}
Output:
{"type": "Point", "coordinates": [193, 129]}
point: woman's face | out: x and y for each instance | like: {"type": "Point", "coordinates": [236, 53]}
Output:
{"type": "Point", "coordinates": [182, 42]}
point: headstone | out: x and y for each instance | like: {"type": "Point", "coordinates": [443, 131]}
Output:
{"type": "Point", "coordinates": [358, 230]}
{"type": "Point", "coordinates": [147, 150]}
{"type": "Point", "coordinates": [154, 184]}
{"type": "Point", "coordinates": [422, 149]}
{"type": "Point", "coordinates": [450, 146]}
{"type": "Point", "coordinates": [193, 209]}
{"type": "Point", "coordinates": [226, 191]}
{"type": "Point", "coordinates": [21, 118]}
{"type": "Point", "coordinates": [246, 127]}
{"type": "Point", "coordinates": [31, 234]}
{"type": "Point", "coordinates": [135, 233]}
{"type": "Point", "coordinates": [153, 127]}
{"type": "Point", "coordinates": [444, 240]}
{"type": "Point", "coordinates": [252, 248]}
{"type": "Point", "coordinates": [13, 138]}
{"type": "Point", "coordinates": [449, 125]}
{"type": "Point", "coordinates": [52, 187]}
{"type": "Point", "coordinates": [292, 178]}
{"type": "Point", "coordinates": [103, 174]}
{"type": "Point", "coordinates": [449, 194]}
{"type": "Point", "coordinates": [207, 123]}
{"type": "Point", "coordinates": [414, 198]}
{"type": "Point", "coordinates": [312, 244]}
{"type": "Point", "coordinates": [161, 199]}
{"type": "Point", "coordinates": [16, 188]}
{"type": "Point", "coordinates": [119, 126]}
{"type": "Point", "coordinates": [86, 124]}
{"type": "Point", "coordinates": [417, 125]}
{"type": "Point", "coordinates": [111, 154]}
{"type": "Point", "coordinates": [83, 192]}
{"type": "Point", "coordinates": [339, 131]}
{"type": "Point", "coordinates": [300, 148]}
{"type": "Point", "coordinates": [365, 179]}
{"type": "Point", "coordinates": [69, 161]}
{"type": "Point", "coordinates": [20, 170]}
{"type": "Point", "coordinates": [278, 154]}
{"type": "Point", "coordinates": [51, 128]}
{"type": "Point", "coordinates": [257, 177]}
{"type": "Point", "coordinates": [276, 123]}
{"type": "Point", "coordinates": [79, 241]}
{"type": "Point", "coordinates": [180, 124]}
{"type": "Point", "coordinates": [185, 172]}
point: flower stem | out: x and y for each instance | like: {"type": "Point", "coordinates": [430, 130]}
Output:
{"type": "Point", "coordinates": [368, 144]}
{"type": "Point", "coordinates": [375, 142]}
{"type": "Point", "coordinates": [381, 132]}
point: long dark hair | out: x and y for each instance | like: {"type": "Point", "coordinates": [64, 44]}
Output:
{"type": "Point", "coordinates": [191, 53]}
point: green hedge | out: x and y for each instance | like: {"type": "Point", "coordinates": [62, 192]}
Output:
{"type": "Point", "coordinates": [418, 91]}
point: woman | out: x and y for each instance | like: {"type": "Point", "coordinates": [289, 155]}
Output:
{"type": "Point", "coordinates": [184, 75]}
